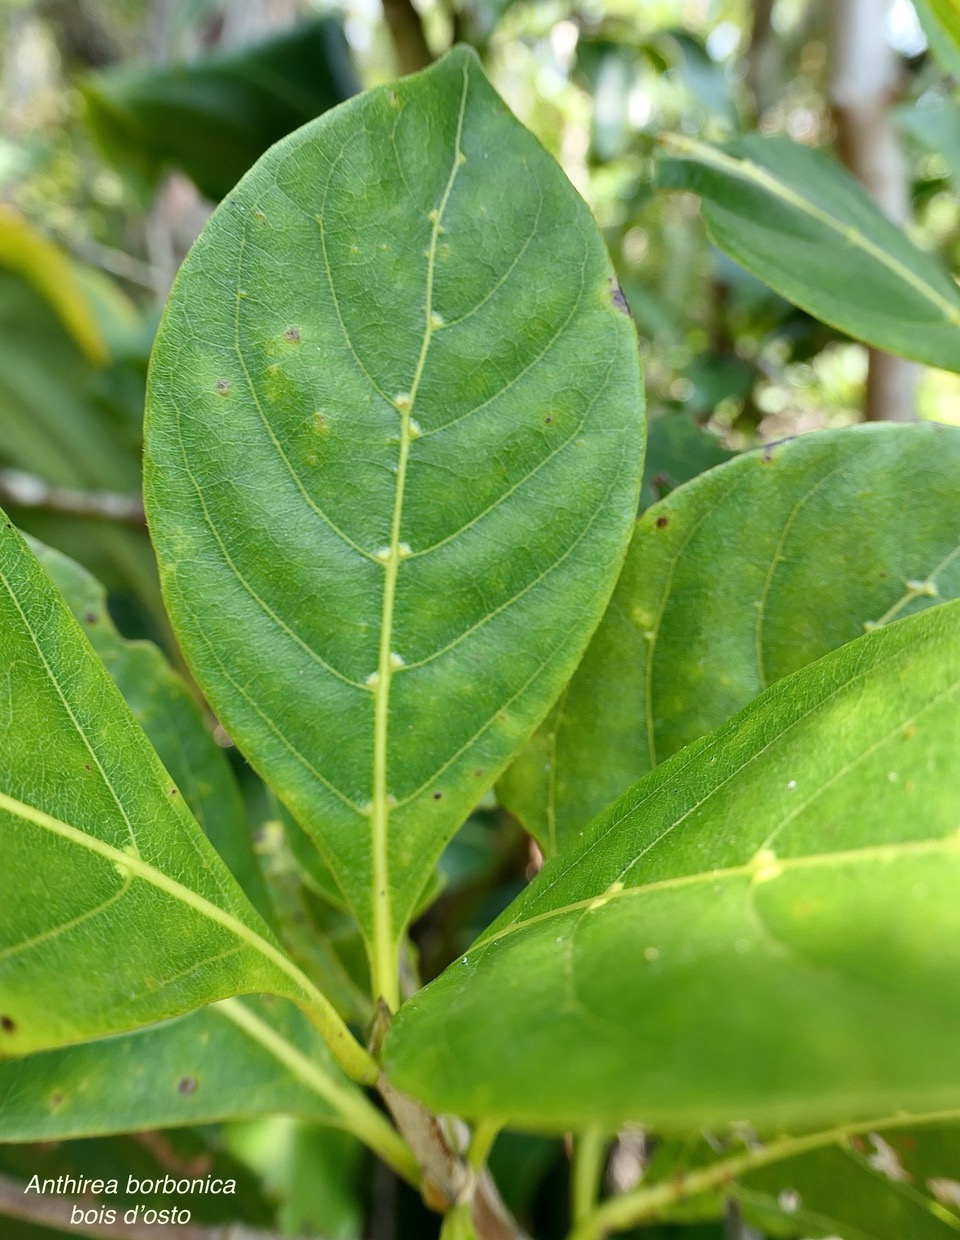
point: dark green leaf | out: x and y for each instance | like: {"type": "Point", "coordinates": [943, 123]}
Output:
{"type": "Point", "coordinates": [214, 117]}
{"type": "Point", "coordinates": [197, 1069]}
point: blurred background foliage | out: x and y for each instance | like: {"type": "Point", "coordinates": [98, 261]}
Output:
{"type": "Point", "coordinates": [121, 124]}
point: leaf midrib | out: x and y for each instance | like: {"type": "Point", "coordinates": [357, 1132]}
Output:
{"type": "Point", "coordinates": [747, 170]}
{"type": "Point", "coordinates": [384, 962]}
{"type": "Point", "coordinates": [763, 866]}
{"type": "Point", "coordinates": [758, 870]}
{"type": "Point", "coordinates": [127, 863]}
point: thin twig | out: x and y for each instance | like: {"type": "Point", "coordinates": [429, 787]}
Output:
{"type": "Point", "coordinates": [23, 490]}
{"type": "Point", "coordinates": [58, 1212]}
{"type": "Point", "coordinates": [406, 30]}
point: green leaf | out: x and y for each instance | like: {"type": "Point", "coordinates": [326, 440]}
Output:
{"type": "Point", "coordinates": [703, 618]}
{"type": "Point", "coordinates": [316, 1172]}
{"type": "Point", "coordinates": [198, 1069]}
{"type": "Point", "coordinates": [795, 219]}
{"type": "Point", "coordinates": [166, 710]}
{"type": "Point", "coordinates": [765, 929]}
{"type": "Point", "coordinates": [941, 24]}
{"type": "Point", "coordinates": [394, 474]}
{"type": "Point", "coordinates": [859, 1191]}
{"type": "Point", "coordinates": [107, 877]}
{"type": "Point", "coordinates": [215, 116]}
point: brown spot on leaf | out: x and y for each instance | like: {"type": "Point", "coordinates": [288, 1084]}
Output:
{"type": "Point", "coordinates": [173, 792]}
{"type": "Point", "coordinates": [186, 1085]}
{"type": "Point", "coordinates": [292, 334]}
{"type": "Point", "coordinates": [7, 1024]}
{"type": "Point", "coordinates": [437, 796]}
{"type": "Point", "coordinates": [661, 522]}
{"type": "Point", "coordinates": [90, 617]}
{"type": "Point", "coordinates": [56, 1099]}
{"type": "Point", "coordinates": [222, 386]}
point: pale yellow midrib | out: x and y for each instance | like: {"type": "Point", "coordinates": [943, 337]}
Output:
{"type": "Point", "coordinates": [354, 1110]}
{"type": "Point", "coordinates": [309, 1072]}
{"type": "Point", "coordinates": [747, 170]}
{"type": "Point", "coordinates": [758, 870]}
{"type": "Point", "coordinates": [128, 864]}
{"type": "Point", "coordinates": [384, 952]}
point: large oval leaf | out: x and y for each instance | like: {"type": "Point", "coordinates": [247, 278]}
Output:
{"type": "Point", "coordinates": [795, 219]}
{"type": "Point", "coordinates": [764, 929]}
{"type": "Point", "coordinates": [736, 579]}
{"type": "Point", "coordinates": [394, 451]}
{"type": "Point", "coordinates": [107, 879]}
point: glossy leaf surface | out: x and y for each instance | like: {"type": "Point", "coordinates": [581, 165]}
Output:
{"type": "Point", "coordinates": [107, 878]}
{"type": "Point", "coordinates": [394, 452]}
{"type": "Point", "coordinates": [765, 929]}
{"type": "Point", "coordinates": [736, 579]}
{"type": "Point", "coordinates": [796, 220]}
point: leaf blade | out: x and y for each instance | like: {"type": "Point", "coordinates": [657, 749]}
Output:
{"type": "Point", "coordinates": [363, 414]}
{"type": "Point", "coordinates": [699, 624]}
{"type": "Point", "coordinates": [797, 221]}
{"type": "Point", "coordinates": [815, 930]}
{"type": "Point", "coordinates": [178, 941]}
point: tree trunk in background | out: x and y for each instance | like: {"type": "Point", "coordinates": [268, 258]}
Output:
{"type": "Point", "coordinates": [863, 81]}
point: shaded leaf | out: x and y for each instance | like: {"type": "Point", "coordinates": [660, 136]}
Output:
{"type": "Point", "coordinates": [214, 117]}
{"type": "Point", "coordinates": [198, 1069]}
{"type": "Point", "coordinates": [863, 1194]}
{"type": "Point", "coordinates": [797, 220]}
{"type": "Point", "coordinates": [314, 1171]}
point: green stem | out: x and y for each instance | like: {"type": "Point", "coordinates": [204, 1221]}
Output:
{"type": "Point", "coordinates": [586, 1171]}
{"type": "Point", "coordinates": [643, 1204]}
{"type": "Point", "coordinates": [458, 1224]}
{"type": "Point", "coordinates": [354, 1110]}
{"type": "Point", "coordinates": [481, 1142]}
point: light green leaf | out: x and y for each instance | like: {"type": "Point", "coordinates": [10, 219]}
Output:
{"type": "Point", "coordinates": [796, 220]}
{"type": "Point", "coordinates": [394, 451]}
{"type": "Point", "coordinates": [765, 929]}
{"type": "Point", "coordinates": [107, 878]}
{"type": "Point", "coordinates": [166, 710]}
{"type": "Point", "coordinates": [745, 574]}
{"type": "Point", "coordinates": [941, 24]}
